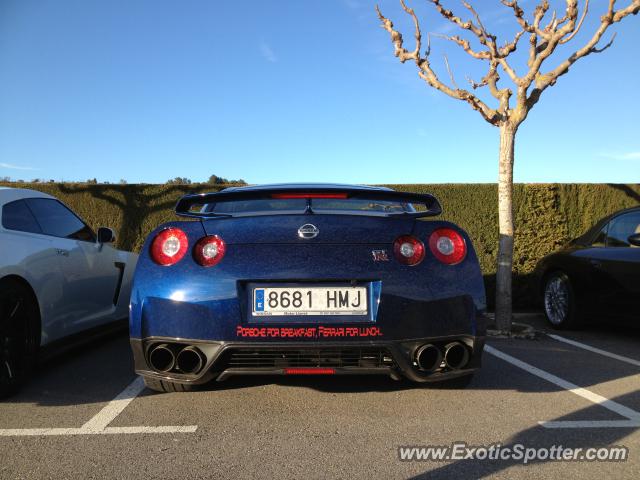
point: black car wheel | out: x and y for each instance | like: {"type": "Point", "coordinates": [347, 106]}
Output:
{"type": "Point", "coordinates": [559, 301]}
{"type": "Point", "coordinates": [19, 335]}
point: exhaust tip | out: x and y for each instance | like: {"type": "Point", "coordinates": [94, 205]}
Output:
{"type": "Point", "coordinates": [456, 355]}
{"type": "Point", "coordinates": [428, 357]}
{"type": "Point", "coordinates": [189, 360]}
{"type": "Point", "coordinates": [162, 358]}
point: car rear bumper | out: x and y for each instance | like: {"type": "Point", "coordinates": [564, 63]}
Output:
{"type": "Point", "coordinates": [223, 359]}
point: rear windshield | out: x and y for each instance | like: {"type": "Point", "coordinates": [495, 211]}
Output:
{"type": "Point", "coordinates": [299, 205]}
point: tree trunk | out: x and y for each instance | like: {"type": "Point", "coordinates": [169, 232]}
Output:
{"type": "Point", "coordinates": [505, 220]}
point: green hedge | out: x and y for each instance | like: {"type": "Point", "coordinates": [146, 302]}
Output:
{"type": "Point", "coordinates": [547, 215]}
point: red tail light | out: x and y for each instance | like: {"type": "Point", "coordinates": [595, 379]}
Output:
{"type": "Point", "coordinates": [309, 371]}
{"type": "Point", "coordinates": [287, 196]}
{"type": "Point", "coordinates": [209, 250]}
{"type": "Point", "coordinates": [169, 246]}
{"type": "Point", "coordinates": [408, 250]}
{"type": "Point", "coordinates": [448, 246]}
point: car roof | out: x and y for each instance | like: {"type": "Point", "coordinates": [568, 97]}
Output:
{"type": "Point", "coordinates": [9, 194]}
{"type": "Point", "coordinates": [611, 216]}
{"type": "Point", "coordinates": [303, 186]}
{"type": "Point", "coordinates": [589, 236]}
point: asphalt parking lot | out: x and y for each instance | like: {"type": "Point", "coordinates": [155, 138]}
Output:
{"type": "Point", "coordinates": [84, 415]}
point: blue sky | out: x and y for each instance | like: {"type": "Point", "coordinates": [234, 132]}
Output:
{"type": "Point", "coordinates": [271, 91]}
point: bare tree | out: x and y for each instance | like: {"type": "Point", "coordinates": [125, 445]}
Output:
{"type": "Point", "coordinates": [545, 36]}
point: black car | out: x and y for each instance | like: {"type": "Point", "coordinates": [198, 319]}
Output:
{"type": "Point", "coordinates": [595, 276]}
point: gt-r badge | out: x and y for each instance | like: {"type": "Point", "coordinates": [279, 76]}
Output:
{"type": "Point", "coordinates": [380, 255]}
{"type": "Point", "coordinates": [308, 230]}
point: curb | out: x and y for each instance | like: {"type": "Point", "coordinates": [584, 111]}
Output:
{"type": "Point", "coordinates": [519, 330]}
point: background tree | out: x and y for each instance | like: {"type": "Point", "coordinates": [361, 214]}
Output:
{"type": "Point", "coordinates": [216, 180]}
{"type": "Point", "coordinates": [179, 181]}
{"type": "Point", "coordinates": [546, 32]}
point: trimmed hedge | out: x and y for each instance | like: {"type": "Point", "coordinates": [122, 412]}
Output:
{"type": "Point", "coordinates": [547, 215]}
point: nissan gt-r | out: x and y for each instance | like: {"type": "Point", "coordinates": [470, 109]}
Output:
{"type": "Point", "coordinates": [307, 279]}
{"type": "Point", "coordinates": [59, 281]}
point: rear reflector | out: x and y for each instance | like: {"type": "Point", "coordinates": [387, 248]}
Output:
{"type": "Point", "coordinates": [286, 196]}
{"type": "Point", "coordinates": [169, 246]}
{"type": "Point", "coordinates": [309, 371]}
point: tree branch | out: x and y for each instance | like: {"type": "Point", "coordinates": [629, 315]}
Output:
{"type": "Point", "coordinates": [600, 50]}
{"type": "Point", "coordinates": [466, 46]}
{"type": "Point", "coordinates": [483, 30]}
{"type": "Point", "coordinates": [543, 42]}
{"type": "Point", "coordinates": [612, 16]}
{"type": "Point", "coordinates": [553, 23]}
{"type": "Point", "coordinates": [479, 31]}
{"type": "Point", "coordinates": [511, 46]}
{"type": "Point", "coordinates": [577, 29]}
{"type": "Point", "coordinates": [540, 11]}
{"type": "Point", "coordinates": [427, 73]}
{"type": "Point", "coordinates": [418, 35]}
{"type": "Point", "coordinates": [453, 80]}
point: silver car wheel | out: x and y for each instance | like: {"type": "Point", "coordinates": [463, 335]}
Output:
{"type": "Point", "coordinates": [556, 299]}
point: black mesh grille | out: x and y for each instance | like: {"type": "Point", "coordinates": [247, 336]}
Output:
{"type": "Point", "coordinates": [337, 358]}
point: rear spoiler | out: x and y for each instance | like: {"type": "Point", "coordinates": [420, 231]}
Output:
{"type": "Point", "coordinates": [184, 207]}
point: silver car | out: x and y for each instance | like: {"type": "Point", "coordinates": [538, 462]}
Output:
{"type": "Point", "coordinates": [57, 279]}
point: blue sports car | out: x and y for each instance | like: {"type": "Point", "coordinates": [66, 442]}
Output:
{"type": "Point", "coordinates": [307, 279]}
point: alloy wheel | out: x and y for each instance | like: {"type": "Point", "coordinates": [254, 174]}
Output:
{"type": "Point", "coordinates": [556, 299]}
{"type": "Point", "coordinates": [13, 338]}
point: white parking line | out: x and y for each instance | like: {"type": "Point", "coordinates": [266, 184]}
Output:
{"type": "Point", "coordinates": [632, 417]}
{"type": "Point", "coordinates": [584, 346]}
{"type": "Point", "coordinates": [48, 432]}
{"type": "Point", "coordinates": [105, 416]}
{"type": "Point", "coordinates": [98, 425]}
{"type": "Point", "coordinates": [591, 424]}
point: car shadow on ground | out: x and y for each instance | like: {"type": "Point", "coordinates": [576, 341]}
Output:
{"type": "Point", "coordinates": [494, 374]}
{"type": "Point", "coordinates": [93, 372]}
{"type": "Point", "coordinates": [536, 437]}
{"type": "Point", "coordinates": [610, 327]}
{"type": "Point", "coordinates": [98, 371]}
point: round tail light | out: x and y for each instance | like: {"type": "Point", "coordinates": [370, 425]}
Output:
{"type": "Point", "coordinates": [408, 250]}
{"type": "Point", "coordinates": [448, 246]}
{"type": "Point", "coordinates": [209, 250]}
{"type": "Point", "coordinates": [169, 246]}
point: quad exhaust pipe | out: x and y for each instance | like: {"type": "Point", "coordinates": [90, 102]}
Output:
{"type": "Point", "coordinates": [162, 358]}
{"type": "Point", "coordinates": [428, 357]}
{"type": "Point", "coordinates": [189, 359]}
{"type": "Point", "coordinates": [456, 355]}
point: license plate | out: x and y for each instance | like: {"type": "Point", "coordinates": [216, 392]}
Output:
{"type": "Point", "coordinates": [271, 301]}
